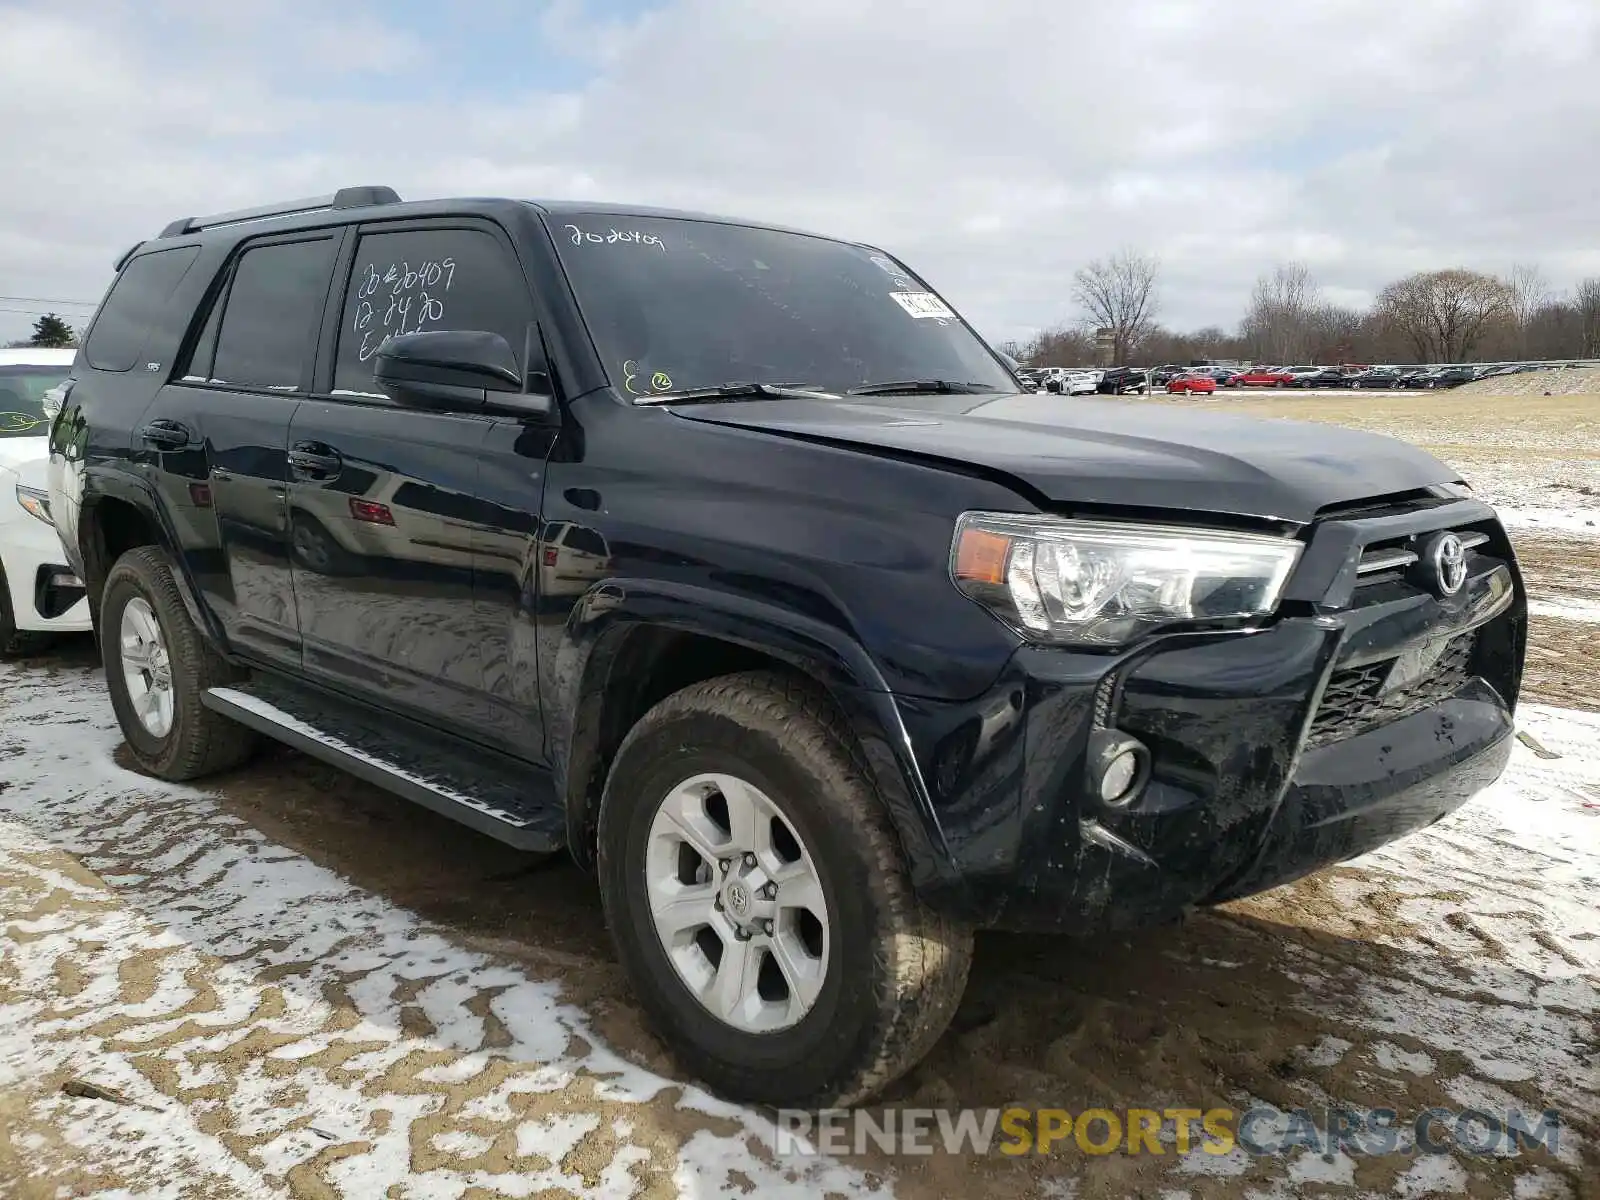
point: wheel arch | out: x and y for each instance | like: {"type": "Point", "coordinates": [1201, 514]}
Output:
{"type": "Point", "coordinates": [652, 640]}
{"type": "Point", "coordinates": [116, 520]}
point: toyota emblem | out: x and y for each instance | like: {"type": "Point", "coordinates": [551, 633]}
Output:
{"type": "Point", "coordinates": [1449, 558]}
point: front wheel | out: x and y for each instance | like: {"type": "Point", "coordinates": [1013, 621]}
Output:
{"type": "Point", "coordinates": [157, 667]}
{"type": "Point", "coordinates": [754, 887]}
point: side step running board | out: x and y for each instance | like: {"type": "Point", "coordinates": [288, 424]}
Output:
{"type": "Point", "coordinates": [510, 802]}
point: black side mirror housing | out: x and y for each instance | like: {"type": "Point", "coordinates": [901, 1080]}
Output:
{"type": "Point", "coordinates": [461, 370]}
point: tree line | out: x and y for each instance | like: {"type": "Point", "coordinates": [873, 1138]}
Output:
{"type": "Point", "coordinates": [1454, 315]}
{"type": "Point", "coordinates": [50, 332]}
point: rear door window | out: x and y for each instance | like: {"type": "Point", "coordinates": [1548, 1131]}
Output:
{"type": "Point", "coordinates": [139, 295]}
{"type": "Point", "coordinates": [273, 306]}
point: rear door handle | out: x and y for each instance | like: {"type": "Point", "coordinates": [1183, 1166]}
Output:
{"type": "Point", "coordinates": [313, 460]}
{"type": "Point", "coordinates": [169, 435]}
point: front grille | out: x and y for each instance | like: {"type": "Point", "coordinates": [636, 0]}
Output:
{"type": "Point", "coordinates": [1353, 703]}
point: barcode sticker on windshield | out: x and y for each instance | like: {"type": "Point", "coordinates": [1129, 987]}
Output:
{"type": "Point", "coordinates": [923, 304]}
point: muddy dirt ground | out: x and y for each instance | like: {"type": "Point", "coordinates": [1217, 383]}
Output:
{"type": "Point", "coordinates": [1435, 973]}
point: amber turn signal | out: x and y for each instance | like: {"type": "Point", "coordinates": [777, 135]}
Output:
{"type": "Point", "coordinates": [981, 556]}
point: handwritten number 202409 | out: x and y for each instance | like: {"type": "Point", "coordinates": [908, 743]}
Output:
{"type": "Point", "coordinates": [408, 297]}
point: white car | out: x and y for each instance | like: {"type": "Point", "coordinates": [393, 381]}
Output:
{"type": "Point", "coordinates": [39, 594]}
{"type": "Point", "coordinates": [1083, 383]}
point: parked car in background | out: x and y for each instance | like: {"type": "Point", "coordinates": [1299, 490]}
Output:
{"type": "Point", "coordinates": [1263, 377]}
{"type": "Point", "coordinates": [1164, 375]}
{"type": "Point", "coordinates": [1117, 380]}
{"type": "Point", "coordinates": [40, 596]}
{"type": "Point", "coordinates": [1449, 377]}
{"type": "Point", "coordinates": [1191, 381]}
{"type": "Point", "coordinates": [1413, 377]}
{"type": "Point", "coordinates": [1083, 383]}
{"type": "Point", "coordinates": [1321, 377]}
{"type": "Point", "coordinates": [1377, 377]}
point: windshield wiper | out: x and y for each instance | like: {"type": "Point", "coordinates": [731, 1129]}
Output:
{"type": "Point", "coordinates": [941, 386]}
{"type": "Point", "coordinates": [734, 391]}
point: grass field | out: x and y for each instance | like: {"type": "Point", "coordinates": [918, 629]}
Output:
{"type": "Point", "coordinates": [1535, 457]}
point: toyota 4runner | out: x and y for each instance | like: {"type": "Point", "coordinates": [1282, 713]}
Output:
{"type": "Point", "coordinates": [730, 560]}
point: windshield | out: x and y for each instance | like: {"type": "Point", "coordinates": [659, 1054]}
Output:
{"type": "Point", "coordinates": [675, 304]}
{"type": "Point", "coordinates": [22, 390]}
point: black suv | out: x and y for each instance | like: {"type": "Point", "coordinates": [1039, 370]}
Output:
{"type": "Point", "coordinates": [730, 560]}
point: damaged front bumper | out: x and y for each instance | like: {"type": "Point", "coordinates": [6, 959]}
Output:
{"type": "Point", "coordinates": [1372, 708]}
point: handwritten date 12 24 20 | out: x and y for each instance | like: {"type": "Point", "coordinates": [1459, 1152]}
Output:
{"type": "Point", "coordinates": [400, 299]}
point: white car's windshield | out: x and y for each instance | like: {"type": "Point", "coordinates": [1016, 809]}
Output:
{"type": "Point", "coordinates": [676, 304]}
{"type": "Point", "coordinates": [22, 390]}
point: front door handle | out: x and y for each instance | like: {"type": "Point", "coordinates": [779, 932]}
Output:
{"type": "Point", "coordinates": [313, 460]}
{"type": "Point", "coordinates": [168, 435]}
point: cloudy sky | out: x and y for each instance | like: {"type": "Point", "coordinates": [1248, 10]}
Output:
{"type": "Point", "coordinates": [997, 145]}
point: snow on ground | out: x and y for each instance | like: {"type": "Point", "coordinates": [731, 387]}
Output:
{"type": "Point", "coordinates": [281, 1024]}
{"type": "Point", "coordinates": [1576, 609]}
{"type": "Point", "coordinates": [1582, 520]}
{"type": "Point", "coordinates": [293, 1034]}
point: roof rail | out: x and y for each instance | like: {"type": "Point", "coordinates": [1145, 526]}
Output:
{"type": "Point", "coordinates": [350, 197]}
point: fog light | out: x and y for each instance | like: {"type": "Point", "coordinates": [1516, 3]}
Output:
{"type": "Point", "coordinates": [1118, 766]}
{"type": "Point", "coordinates": [1121, 771]}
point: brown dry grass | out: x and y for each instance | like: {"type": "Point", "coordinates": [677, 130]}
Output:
{"type": "Point", "coordinates": [1543, 439]}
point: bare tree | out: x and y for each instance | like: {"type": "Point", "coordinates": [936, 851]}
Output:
{"type": "Point", "coordinates": [1443, 314]}
{"type": "Point", "coordinates": [1119, 294]}
{"type": "Point", "coordinates": [1586, 300]}
{"type": "Point", "coordinates": [1280, 325]}
{"type": "Point", "coordinates": [1060, 348]}
{"type": "Point", "coordinates": [1529, 293]}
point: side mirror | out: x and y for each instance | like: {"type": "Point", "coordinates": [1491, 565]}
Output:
{"type": "Point", "coordinates": [459, 369]}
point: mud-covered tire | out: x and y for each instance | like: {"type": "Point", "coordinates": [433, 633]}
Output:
{"type": "Point", "coordinates": [17, 643]}
{"type": "Point", "coordinates": [895, 969]}
{"type": "Point", "coordinates": [200, 740]}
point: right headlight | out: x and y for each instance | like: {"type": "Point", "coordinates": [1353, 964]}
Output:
{"type": "Point", "coordinates": [1103, 584]}
{"type": "Point", "coordinates": [35, 501]}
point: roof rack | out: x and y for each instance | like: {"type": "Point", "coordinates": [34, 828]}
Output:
{"type": "Point", "coordinates": [350, 197]}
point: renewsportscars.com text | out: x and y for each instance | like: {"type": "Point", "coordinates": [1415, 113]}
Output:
{"type": "Point", "coordinates": [1258, 1131]}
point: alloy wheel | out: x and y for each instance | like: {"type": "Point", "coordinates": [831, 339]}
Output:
{"type": "Point", "coordinates": [145, 667]}
{"type": "Point", "coordinates": [737, 903]}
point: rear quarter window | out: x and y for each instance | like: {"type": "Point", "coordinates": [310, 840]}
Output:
{"type": "Point", "coordinates": [138, 297]}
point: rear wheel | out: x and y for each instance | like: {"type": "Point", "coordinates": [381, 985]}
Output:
{"type": "Point", "coordinates": [157, 667]}
{"type": "Point", "coordinates": [757, 896]}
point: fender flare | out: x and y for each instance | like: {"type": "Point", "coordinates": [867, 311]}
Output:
{"type": "Point", "coordinates": [126, 489]}
{"type": "Point", "coordinates": [593, 647]}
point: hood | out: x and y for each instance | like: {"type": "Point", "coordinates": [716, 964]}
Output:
{"type": "Point", "coordinates": [1113, 453]}
{"type": "Point", "coordinates": [28, 456]}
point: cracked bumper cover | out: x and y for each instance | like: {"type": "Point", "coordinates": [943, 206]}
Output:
{"type": "Point", "coordinates": [1242, 796]}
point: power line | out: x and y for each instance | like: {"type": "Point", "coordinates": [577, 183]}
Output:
{"type": "Point", "coordinates": [43, 300]}
{"type": "Point", "coordinates": [44, 312]}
